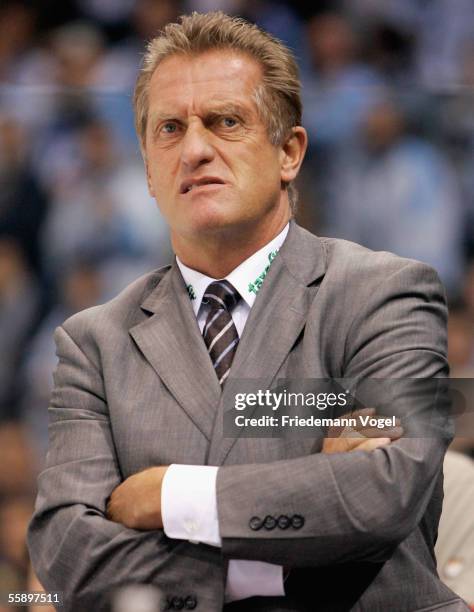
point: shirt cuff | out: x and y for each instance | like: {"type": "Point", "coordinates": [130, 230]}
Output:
{"type": "Point", "coordinates": [189, 505]}
{"type": "Point", "coordinates": [252, 578]}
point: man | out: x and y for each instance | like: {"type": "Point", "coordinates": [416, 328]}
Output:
{"type": "Point", "coordinates": [455, 545]}
{"type": "Point", "coordinates": [141, 485]}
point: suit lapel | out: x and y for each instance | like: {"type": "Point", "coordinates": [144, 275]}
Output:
{"type": "Point", "coordinates": [171, 342]}
{"type": "Point", "coordinates": [276, 319]}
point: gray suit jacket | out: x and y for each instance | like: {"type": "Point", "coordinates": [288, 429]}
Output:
{"type": "Point", "coordinates": [135, 388]}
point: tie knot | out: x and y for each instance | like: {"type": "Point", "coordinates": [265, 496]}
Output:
{"type": "Point", "coordinates": [221, 294]}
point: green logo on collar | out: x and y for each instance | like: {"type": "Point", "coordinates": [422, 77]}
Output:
{"type": "Point", "coordinates": [258, 282]}
{"type": "Point", "coordinates": [191, 292]}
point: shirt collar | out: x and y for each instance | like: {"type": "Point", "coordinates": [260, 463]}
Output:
{"type": "Point", "coordinates": [247, 278]}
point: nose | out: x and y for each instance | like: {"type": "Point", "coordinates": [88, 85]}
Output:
{"type": "Point", "coordinates": [196, 146]}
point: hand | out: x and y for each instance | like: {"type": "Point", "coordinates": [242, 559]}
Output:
{"type": "Point", "coordinates": [136, 503]}
{"type": "Point", "coordinates": [344, 440]}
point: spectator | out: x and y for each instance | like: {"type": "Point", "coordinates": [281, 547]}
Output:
{"type": "Point", "coordinates": [103, 208]}
{"type": "Point", "coordinates": [455, 545]}
{"type": "Point", "coordinates": [341, 89]}
{"type": "Point", "coordinates": [19, 307]}
{"type": "Point", "coordinates": [17, 468]}
{"type": "Point", "coordinates": [397, 192]}
{"type": "Point", "coordinates": [460, 341]}
{"type": "Point", "coordinates": [15, 513]}
{"type": "Point", "coordinates": [23, 202]}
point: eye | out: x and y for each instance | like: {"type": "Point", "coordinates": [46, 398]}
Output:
{"type": "Point", "coordinates": [169, 127]}
{"type": "Point", "coordinates": [229, 122]}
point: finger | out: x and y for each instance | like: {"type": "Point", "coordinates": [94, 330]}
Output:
{"type": "Point", "coordinates": [112, 509]}
{"type": "Point", "coordinates": [372, 431]}
{"type": "Point", "coordinates": [373, 443]}
{"type": "Point", "coordinates": [109, 511]}
{"type": "Point", "coordinates": [352, 444]}
{"type": "Point", "coordinates": [345, 444]}
{"type": "Point", "coordinates": [377, 432]}
{"type": "Point", "coordinates": [339, 445]}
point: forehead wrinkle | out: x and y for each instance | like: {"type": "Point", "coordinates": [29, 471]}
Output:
{"type": "Point", "coordinates": [230, 107]}
{"type": "Point", "coordinates": [197, 80]}
{"type": "Point", "coordinates": [195, 86]}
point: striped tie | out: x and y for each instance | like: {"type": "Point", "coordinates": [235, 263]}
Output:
{"type": "Point", "coordinates": [220, 334]}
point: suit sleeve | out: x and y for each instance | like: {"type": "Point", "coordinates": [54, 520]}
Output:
{"type": "Point", "coordinates": [355, 506]}
{"type": "Point", "coordinates": [73, 547]}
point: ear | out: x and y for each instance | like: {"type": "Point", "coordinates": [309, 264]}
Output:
{"type": "Point", "coordinates": [292, 153]}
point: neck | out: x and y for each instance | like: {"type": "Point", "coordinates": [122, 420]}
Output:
{"type": "Point", "coordinates": [217, 255]}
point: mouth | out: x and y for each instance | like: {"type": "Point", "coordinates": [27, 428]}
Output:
{"type": "Point", "coordinates": [203, 184]}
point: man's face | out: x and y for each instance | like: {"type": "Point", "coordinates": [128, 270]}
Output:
{"type": "Point", "coordinates": [204, 132]}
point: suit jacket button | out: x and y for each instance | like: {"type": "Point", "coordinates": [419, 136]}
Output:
{"type": "Point", "coordinates": [283, 521]}
{"type": "Point", "coordinates": [255, 523]}
{"type": "Point", "coordinates": [177, 603]}
{"type": "Point", "coordinates": [297, 521]}
{"type": "Point", "coordinates": [269, 522]}
{"type": "Point", "coordinates": [190, 602]}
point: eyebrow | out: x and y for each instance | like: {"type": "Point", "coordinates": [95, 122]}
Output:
{"type": "Point", "coordinates": [230, 108]}
{"type": "Point", "coordinates": [224, 108]}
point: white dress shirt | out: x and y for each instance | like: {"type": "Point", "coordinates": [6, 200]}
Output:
{"type": "Point", "coordinates": [188, 496]}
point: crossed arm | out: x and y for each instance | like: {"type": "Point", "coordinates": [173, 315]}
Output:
{"type": "Point", "coordinates": [74, 489]}
{"type": "Point", "coordinates": [136, 502]}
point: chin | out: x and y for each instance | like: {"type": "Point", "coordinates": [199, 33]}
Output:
{"type": "Point", "coordinates": [211, 218]}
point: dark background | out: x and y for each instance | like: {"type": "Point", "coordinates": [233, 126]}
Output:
{"type": "Point", "coordinates": [388, 90]}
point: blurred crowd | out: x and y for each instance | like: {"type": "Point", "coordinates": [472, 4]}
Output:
{"type": "Point", "coordinates": [388, 92]}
